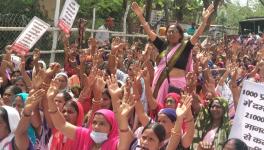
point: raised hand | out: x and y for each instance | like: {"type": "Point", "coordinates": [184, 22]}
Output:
{"type": "Point", "coordinates": [183, 108]}
{"type": "Point", "coordinates": [22, 64]}
{"type": "Point", "coordinates": [8, 51]}
{"type": "Point", "coordinates": [205, 146]}
{"type": "Point", "coordinates": [92, 42]}
{"type": "Point", "coordinates": [53, 89]}
{"type": "Point", "coordinates": [34, 98]}
{"type": "Point", "coordinates": [99, 85]}
{"type": "Point", "coordinates": [137, 10]}
{"type": "Point", "coordinates": [38, 79]}
{"type": "Point", "coordinates": [90, 80]}
{"type": "Point", "coordinates": [113, 87]}
{"type": "Point", "coordinates": [127, 105]}
{"type": "Point", "coordinates": [191, 80]}
{"type": "Point", "coordinates": [36, 55]}
{"type": "Point", "coordinates": [52, 70]}
{"type": "Point", "coordinates": [207, 13]}
{"type": "Point", "coordinates": [146, 76]}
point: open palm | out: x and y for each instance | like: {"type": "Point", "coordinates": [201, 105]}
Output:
{"type": "Point", "coordinates": [207, 13]}
{"type": "Point", "coordinates": [113, 88]}
{"type": "Point", "coordinates": [53, 89]}
{"type": "Point", "coordinates": [138, 11]}
{"type": "Point", "coordinates": [182, 108]}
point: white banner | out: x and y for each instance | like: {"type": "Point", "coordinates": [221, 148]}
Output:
{"type": "Point", "coordinates": [249, 119]}
{"type": "Point", "coordinates": [30, 35]}
{"type": "Point", "coordinates": [68, 14]}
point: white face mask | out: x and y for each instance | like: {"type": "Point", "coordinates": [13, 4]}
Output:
{"type": "Point", "coordinates": [98, 137]}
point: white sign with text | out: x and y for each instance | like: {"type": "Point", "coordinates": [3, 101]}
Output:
{"type": "Point", "coordinates": [30, 35]}
{"type": "Point", "coordinates": [68, 14]}
{"type": "Point", "coordinates": [249, 119]}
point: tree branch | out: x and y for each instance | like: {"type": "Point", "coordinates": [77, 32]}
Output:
{"type": "Point", "coordinates": [262, 2]}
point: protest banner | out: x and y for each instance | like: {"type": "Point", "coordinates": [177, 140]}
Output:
{"type": "Point", "coordinates": [30, 35]}
{"type": "Point", "coordinates": [249, 118]}
{"type": "Point", "coordinates": [68, 14]}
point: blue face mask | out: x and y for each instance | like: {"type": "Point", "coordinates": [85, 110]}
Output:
{"type": "Point", "coordinates": [98, 137]}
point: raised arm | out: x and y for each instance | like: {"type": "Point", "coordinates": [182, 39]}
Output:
{"type": "Point", "coordinates": [24, 74]}
{"type": "Point", "coordinates": [188, 120]}
{"type": "Point", "coordinates": [206, 14]}
{"type": "Point", "coordinates": [176, 133]}
{"type": "Point", "coordinates": [138, 11]}
{"type": "Point", "coordinates": [152, 103]}
{"type": "Point", "coordinates": [57, 118]}
{"type": "Point", "coordinates": [5, 64]}
{"type": "Point", "coordinates": [121, 112]}
{"type": "Point", "coordinates": [234, 88]}
{"type": "Point", "coordinates": [21, 137]}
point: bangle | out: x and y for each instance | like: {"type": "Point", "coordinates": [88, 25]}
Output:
{"type": "Point", "coordinates": [52, 111]}
{"type": "Point", "coordinates": [26, 115]}
{"type": "Point", "coordinates": [124, 130]}
{"type": "Point", "coordinates": [96, 101]}
{"type": "Point", "coordinates": [175, 132]}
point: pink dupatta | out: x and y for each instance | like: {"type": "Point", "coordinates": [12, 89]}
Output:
{"type": "Point", "coordinates": [83, 140]}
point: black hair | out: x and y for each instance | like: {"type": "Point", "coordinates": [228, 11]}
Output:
{"type": "Point", "coordinates": [74, 105]}
{"type": "Point", "coordinates": [28, 62]}
{"type": "Point", "coordinates": [15, 72]}
{"type": "Point", "coordinates": [66, 96]}
{"type": "Point", "coordinates": [179, 28]}
{"type": "Point", "coordinates": [14, 89]}
{"type": "Point", "coordinates": [4, 115]}
{"type": "Point", "coordinates": [174, 89]}
{"type": "Point", "coordinates": [106, 92]}
{"type": "Point", "coordinates": [20, 78]}
{"type": "Point", "coordinates": [158, 129]}
{"type": "Point", "coordinates": [239, 144]}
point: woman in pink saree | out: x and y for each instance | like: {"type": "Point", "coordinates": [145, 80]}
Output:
{"type": "Point", "coordinates": [175, 53]}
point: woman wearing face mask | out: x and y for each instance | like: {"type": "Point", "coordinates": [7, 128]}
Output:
{"type": "Point", "coordinates": [212, 126]}
{"type": "Point", "coordinates": [73, 113]}
{"type": "Point", "coordinates": [102, 133]}
{"type": "Point", "coordinates": [176, 52]}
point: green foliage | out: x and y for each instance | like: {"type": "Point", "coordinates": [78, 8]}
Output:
{"type": "Point", "coordinates": [233, 13]}
{"type": "Point", "coordinates": [104, 8]}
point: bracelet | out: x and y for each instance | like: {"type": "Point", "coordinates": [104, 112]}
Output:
{"type": "Point", "coordinates": [96, 101]}
{"type": "Point", "coordinates": [124, 130]}
{"type": "Point", "coordinates": [175, 132]}
{"type": "Point", "coordinates": [52, 111]}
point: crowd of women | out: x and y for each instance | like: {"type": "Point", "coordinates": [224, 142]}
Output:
{"type": "Point", "coordinates": [171, 93]}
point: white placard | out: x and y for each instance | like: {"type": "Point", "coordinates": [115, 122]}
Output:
{"type": "Point", "coordinates": [30, 35]}
{"type": "Point", "coordinates": [68, 14]}
{"type": "Point", "coordinates": [249, 119]}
